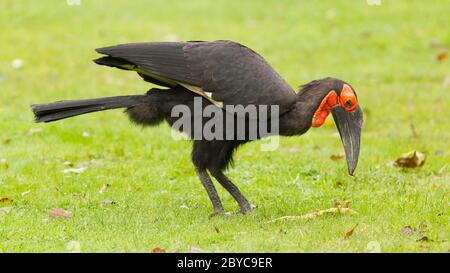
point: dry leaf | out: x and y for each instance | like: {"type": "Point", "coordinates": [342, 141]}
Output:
{"type": "Point", "coordinates": [407, 230]}
{"type": "Point", "coordinates": [75, 170]}
{"type": "Point", "coordinates": [58, 213]}
{"type": "Point", "coordinates": [349, 233]}
{"type": "Point", "coordinates": [336, 157]}
{"type": "Point", "coordinates": [346, 203]}
{"type": "Point", "coordinates": [5, 210]}
{"type": "Point", "coordinates": [217, 230]}
{"type": "Point", "coordinates": [442, 56]}
{"type": "Point", "coordinates": [411, 159]}
{"type": "Point", "coordinates": [103, 188]}
{"type": "Point", "coordinates": [5, 199]}
{"type": "Point", "coordinates": [344, 209]}
{"type": "Point", "coordinates": [158, 250]}
{"type": "Point", "coordinates": [424, 239]}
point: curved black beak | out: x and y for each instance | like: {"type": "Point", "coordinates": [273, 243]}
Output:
{"type": "Point", "coordinates": [349, 126]}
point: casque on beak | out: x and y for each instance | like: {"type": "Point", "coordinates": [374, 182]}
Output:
{"type": "Point", "coordinates": [349, 126]}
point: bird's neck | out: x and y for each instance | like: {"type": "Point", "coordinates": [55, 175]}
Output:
{"type": "Point", "coordinates": [298, 119]}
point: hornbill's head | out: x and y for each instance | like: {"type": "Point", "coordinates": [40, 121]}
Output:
{"type": "Point", "coordinates": [340, 99]}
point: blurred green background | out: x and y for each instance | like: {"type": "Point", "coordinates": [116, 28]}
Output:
{"type": "Point", "coordinates": [393, 54]}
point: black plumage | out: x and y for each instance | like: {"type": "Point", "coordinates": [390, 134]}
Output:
{"type": "Point", "coordinates": [221, 73]}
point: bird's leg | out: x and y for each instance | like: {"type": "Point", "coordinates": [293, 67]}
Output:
{"type": "Point", "coordinates": [211, 190]}
{"type": "Point", "coordinates": [233, 190]}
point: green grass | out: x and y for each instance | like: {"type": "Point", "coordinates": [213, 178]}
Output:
{"type": "Point", "coordinates": [388, 53]}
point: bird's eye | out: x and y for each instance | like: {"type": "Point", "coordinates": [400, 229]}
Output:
{"type": "Point", "coordinates": [347, 98]}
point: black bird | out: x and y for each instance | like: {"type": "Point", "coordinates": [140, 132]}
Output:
{"type": "Point", "coordinates": [219, 74]}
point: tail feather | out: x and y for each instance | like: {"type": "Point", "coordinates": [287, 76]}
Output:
{"type": "Point", "coordinates": [65, 109]}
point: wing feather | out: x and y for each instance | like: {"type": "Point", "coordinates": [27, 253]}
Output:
{"type": "Point", "coordinates": [224, 72]}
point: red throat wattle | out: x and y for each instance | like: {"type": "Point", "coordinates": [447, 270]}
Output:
{"type": "Point", "coordinates": [324, 109]}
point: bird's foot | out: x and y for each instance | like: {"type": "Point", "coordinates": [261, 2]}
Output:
{"type": "Point", "coordinates": [247, 208]}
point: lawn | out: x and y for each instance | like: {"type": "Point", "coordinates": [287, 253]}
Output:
{"type": "Point", "coordinates": [389, 53]}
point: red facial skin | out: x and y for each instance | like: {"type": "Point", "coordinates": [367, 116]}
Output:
{"type": "Point", "coordinates": [346, 99]}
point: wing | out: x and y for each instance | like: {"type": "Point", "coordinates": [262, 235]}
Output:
{"type": "Point", "coordinates": [224, 72]}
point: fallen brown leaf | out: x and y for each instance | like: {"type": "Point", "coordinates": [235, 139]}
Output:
{"type": "Point", "coordinates": [346, 203]}
{"type": "Point", "coordinates": [336, 157]}
{"type": "Point", "coordinates": [58, 213]}
{"type": "Point", "coordinates": [349, 233]}
{"type": "Point", "coordinates": [217, 230]}
{"type": "Point", "coordinates": [407, 230]}
{"type": "Point", "coordinates": [442, 56]}
{"type": "Point", "coordinates": [158, 250]}
{"type": "Point", "coordinates": [344, 209]}
{"type": "Point", "coordinates": [5, 199]}
{"type": "Point", "coordinates": [412, 159]}
{"type": "Point", "coordinates": [424, 239]}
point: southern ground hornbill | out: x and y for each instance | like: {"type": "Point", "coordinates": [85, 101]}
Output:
{"type": "Point", "coordinates": [219, 74]}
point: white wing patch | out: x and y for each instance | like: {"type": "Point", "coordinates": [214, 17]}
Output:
{"type": "Point", "coordinates": [203, 93]}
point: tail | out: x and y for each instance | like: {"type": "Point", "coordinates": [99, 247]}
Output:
{"type": "Point", "coordinates": [70, 108]}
